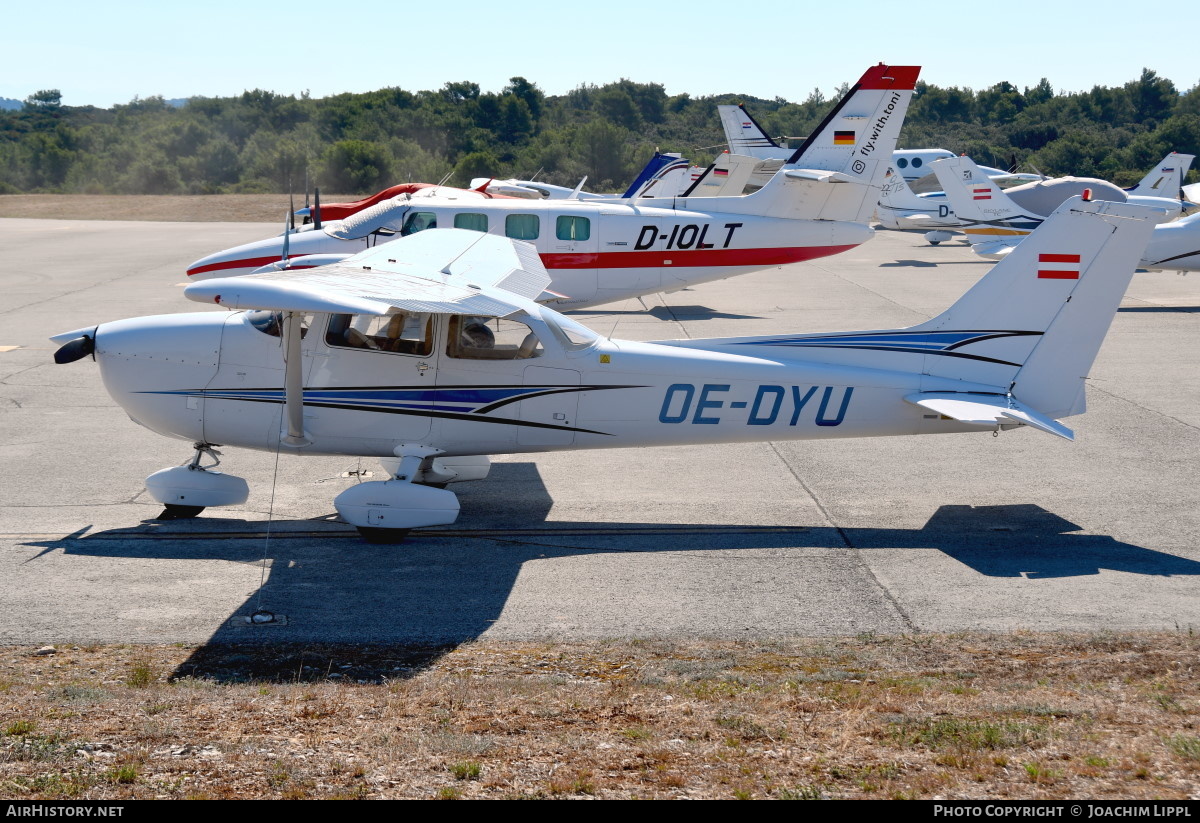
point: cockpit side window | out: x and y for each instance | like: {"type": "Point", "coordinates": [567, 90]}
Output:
{"type": "Point", "coordinates": [491, 338]}
{"type": "Point", "coordinates": [399, 333]}
{"type": "Point", "coordinates": [418, 221]}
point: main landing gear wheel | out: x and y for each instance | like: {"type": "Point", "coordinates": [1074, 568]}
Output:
{"type": "Point", "coordinates": [378, 536]}
{"type": "Point", "coordinates": [175, 512]}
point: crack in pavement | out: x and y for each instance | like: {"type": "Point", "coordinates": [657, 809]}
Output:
{"type": "Point", "coordinates": [867, 570]}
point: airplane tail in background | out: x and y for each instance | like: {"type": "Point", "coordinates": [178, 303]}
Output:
{"type": "Point", "coordinates": [898, 205]}
{"type": "Point", "coordinates": [837, 173]}
{"type": "Point", "coordinates": [990, 219]}
{"type": "Point", "coordinates": [1166, 178]}
{"type": "Point", "coordinates": [746, 137]}
{"type": "Point", "coordinates": [653, 179]}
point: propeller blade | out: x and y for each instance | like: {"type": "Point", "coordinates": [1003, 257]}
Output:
{"type": "Point", "coordinates": [292, 210]}
{"type": "Point", "coordinates": [316, 212]}
{"type": "Point", "coordinates": [74, 350]}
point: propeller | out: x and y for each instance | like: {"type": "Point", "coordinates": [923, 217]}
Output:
{"type": "Point", "coordinates": [316, 212]}
{"type": "Point", "coordinates": [76, 349]}
{"type": "Point", "coordinates": [291, 212]}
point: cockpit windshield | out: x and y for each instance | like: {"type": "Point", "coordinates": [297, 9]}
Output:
{"type": "Point", "coordinates": [267, 322]}
{"type": "Point", "coordinates": [271, 322]}
{"type": "Point", "coordinates": [573, 336]}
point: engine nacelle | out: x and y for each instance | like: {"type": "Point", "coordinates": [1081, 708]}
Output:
{"type": "Point", "coordinates": [396, 504]}
{"type": "Point", "coordinates": [188, 486]}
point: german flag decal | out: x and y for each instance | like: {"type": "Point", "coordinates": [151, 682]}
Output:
{"type": "Point", "coordinates": [1065, 266]}
{"type": "Point", "coordinates": [843, 138]}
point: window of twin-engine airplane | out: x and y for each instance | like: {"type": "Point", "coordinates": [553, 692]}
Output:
{"type": "Point", "coordinates": [400, 333]}
{"type": "Point", "coordinates": [916, 162]}
{"type": "Point", "coordinates": [472, 222]}
{"type": "Point", "coordinates": [490, 338]}
{"type": "Point", "coordinates": [901, 163]}
{"type": "Point", "coordinates": [522, 226]}
{"type": "Point", "coordinates": [573, 228]}
{"type": "Point", "coordinates": [418, 221]}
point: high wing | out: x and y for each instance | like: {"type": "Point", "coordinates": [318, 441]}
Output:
{"type": "Point", "coordinates": [452, 271]}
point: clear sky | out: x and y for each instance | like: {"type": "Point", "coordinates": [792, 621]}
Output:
{"type": "Point", "coordinates": [104, 53]}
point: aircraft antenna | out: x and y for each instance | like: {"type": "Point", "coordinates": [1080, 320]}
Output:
{"type": "Point", "coordinates": [287, 234]}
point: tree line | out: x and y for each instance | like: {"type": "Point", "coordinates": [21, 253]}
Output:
{"type": "Point", "coordinates": [262, 142]}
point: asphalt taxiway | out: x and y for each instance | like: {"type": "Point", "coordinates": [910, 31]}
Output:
{"type": "Point", "coordinates": [953, 533]}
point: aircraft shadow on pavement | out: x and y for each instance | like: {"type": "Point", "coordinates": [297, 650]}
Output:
{"type": "Point", "coordinates": [368, 612]}
{"type": "Point", "coordinates": [665, 313]}
{"type": "Point", "coordinates": [1183, 309]}
{"type": "Point", "coordinates": [920, 264]}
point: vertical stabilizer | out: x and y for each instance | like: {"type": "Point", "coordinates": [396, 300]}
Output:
{"type": "Point", "coordinates": [990, 219]}
{"type": "Point", "coordinates": [1039, 316]}
{"type": "Point", "coordinates": [837, 173]}
{"type": "Point", "coordinates": [1166, 178]}
{"type": "Point", "coordinates": [746, 137]}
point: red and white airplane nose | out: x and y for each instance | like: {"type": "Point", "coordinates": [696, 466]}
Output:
{"type": "Point", "coordinates": [253, 256]}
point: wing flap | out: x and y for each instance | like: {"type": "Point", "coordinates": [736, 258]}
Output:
{"type": "Point", "coordinates": [988, 410]}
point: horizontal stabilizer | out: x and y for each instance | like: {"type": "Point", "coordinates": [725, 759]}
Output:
{"type": "Point", "coordinates": [995, 249]}
{"type": "Point", "coordinates": [819, 176]}
{"type": "Point", "coordinates": [987, 410]}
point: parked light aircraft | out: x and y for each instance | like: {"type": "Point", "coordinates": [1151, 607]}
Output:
{"type": "Point", "coordinates": [601, 250]}
{"type": "Point", "coordinates": [664, 170]}
{"type": "Point", "coordinates": [431, 351]}
{"type": "Point", "coordinates": [995, 225]}
{"type": "Point", "coordinates": [745, 136]}
{"type": "Point", "coordinates": [933, 212]}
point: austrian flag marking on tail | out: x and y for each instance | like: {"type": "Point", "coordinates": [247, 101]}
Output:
{"type": "Point", "coordinates": [981, 194]}
{"type": "Point", "coordinates": [1066, 268]}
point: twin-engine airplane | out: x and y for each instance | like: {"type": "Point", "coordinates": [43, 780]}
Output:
{"type": "Point", "coordinates": [432, 352]}
{"type": "Point", "coordinates": [994, 224]}
{"type": "Point", "coordinates": [598, 251]}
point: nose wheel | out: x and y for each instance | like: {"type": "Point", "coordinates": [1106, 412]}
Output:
{"type": "Point", "coordinates": [187, 490]}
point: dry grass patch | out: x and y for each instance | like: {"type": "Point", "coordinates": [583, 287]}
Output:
{"type": "Point", "coordinates": [1024, 715]}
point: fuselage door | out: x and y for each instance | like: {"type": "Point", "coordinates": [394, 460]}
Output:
{"type": "Point", "coordinates": [373, 378]}
{"type": "Point", "coordinates": [548, 411]}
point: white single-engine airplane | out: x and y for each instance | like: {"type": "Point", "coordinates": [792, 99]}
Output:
{"type": "Point", "coordinates": [432, 352]}
{"type": "Point", "coordinates": [994, 224]}
{"type": "Point", "coordinates": [933, 212]}
{"type": "Point", "coordinates": [598, 251]}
